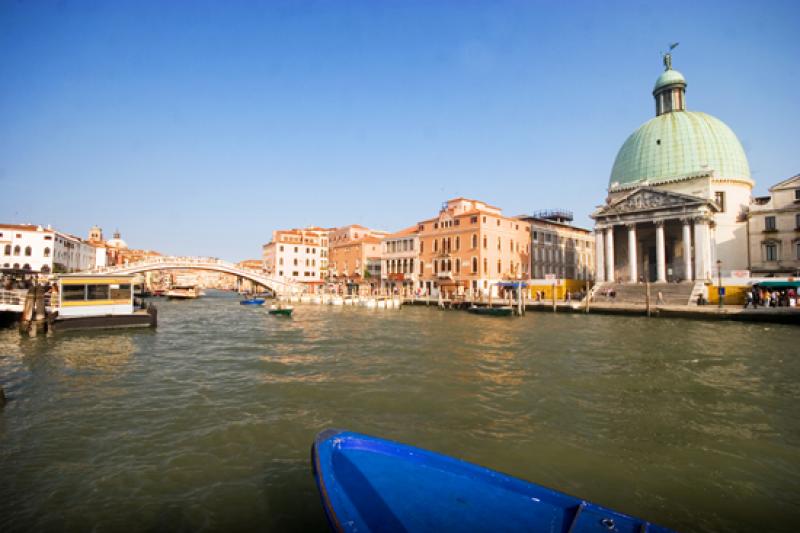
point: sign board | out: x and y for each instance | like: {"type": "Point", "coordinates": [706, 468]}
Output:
{"type": "Point", "coordinates": [721, 291]}
{"type": "Point", "coordinates": [742, 274]}
{"type": "Point", "coordinates": [550, 277]}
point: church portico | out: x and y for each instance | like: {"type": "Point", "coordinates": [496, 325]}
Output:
{"type": "Point", "coordinates": [654, 235]}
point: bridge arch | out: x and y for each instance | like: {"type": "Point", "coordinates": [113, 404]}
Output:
{"type": "Point", "coordinates": [277, 286]}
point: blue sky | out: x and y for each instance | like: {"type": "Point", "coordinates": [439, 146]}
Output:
{"type": "Point", "coordinates": [199, 127]}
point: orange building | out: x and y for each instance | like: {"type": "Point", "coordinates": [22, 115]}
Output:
{"type": "Point", "coordinates": [355, 259]}
{"type": "Point", "coordinates": [469, 248]}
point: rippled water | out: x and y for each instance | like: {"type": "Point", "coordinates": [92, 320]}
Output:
{"type": "Point", "coordinates": [206, 423]}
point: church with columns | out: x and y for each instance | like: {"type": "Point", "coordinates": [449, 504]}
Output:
{"type": "Point", "coordinates": [678, 196]}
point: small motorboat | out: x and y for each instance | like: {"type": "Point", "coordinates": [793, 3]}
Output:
{"type": "Point", "coordinates": [370, 484]}
{"type": "Point", "coordinates": [285, 310]}
{"type": "Point", "coordinates": [506, 310]}
{"type": "Point", "coordinates": [252, 301]}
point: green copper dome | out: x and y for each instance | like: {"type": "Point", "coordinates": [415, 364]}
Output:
{"type": "Point", "coordinates": [669, 77]}
{"type": "Point", "coordinates": [676, 145]}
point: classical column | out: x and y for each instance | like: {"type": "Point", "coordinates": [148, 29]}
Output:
{"type": "Point", "coordinates": [661, 263]}
{"type": "Point", "coordinates": [599, 256]}
{"type": "Point", "coordinates": [702, 249]}
{"type": "Point", "coordinates": [610, 253]}
{"type": "Point", "coordinates": [687, 250]}
{"type": "Point", "coordinates": [633, 260]}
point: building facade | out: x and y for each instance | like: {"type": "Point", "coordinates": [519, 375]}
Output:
{"type": "Point", "coordinates": [558, 248]}
{"type": "Point", "coordinates": [43, 250]}
{"type": "Point", "coordinates": [774, 230]}
{"type": "Point", "coordinates": [400, 252]}
{"type": "Point", "coordinates": [355, 259]}
{"type": "Point", "coordinates": [297, 255]}
{"type": "Point", "coordinates": [469, 248]}
{"type": "Point", "coordinates": [678, 196]}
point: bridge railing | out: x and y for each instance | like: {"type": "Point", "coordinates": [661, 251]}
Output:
{"type": "Point", "coordinates": [189, 262]}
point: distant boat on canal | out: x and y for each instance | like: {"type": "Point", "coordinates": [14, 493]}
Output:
{"type": "Point", "coordinates": [183, 292]}
{"type": "Point", "coordinates": [370, 484]}
{"type": "Point", "coordinates": [279, 309]}
{"type": "Point", "coordinates": [252, 301]}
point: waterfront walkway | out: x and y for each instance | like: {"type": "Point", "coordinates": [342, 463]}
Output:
{"type": "Point", "coordinates": [784, 315]}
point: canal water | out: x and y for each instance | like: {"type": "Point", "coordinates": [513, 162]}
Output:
{"type": "Point", "coordinates": [206, 423]}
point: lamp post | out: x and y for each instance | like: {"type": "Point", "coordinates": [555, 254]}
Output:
{"type": "Point", "coordinates": [720, 290]}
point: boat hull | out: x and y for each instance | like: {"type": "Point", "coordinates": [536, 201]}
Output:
{"type": "Point", "coordinates": [491, 311]}
{"type": "Point", "coordinates": [370, 484]}
{"type": "Point", "coordinates": [283, 312]}
{"type": "Point", "coordinates": [252, 301]}
{"type": "Point", "coordinates": [137, 319]}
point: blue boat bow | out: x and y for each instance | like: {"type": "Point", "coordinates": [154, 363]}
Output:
{"type": "Point", "coordinates": [370, 484]}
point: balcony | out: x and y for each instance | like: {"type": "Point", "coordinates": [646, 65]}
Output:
{"type": "Point", "coordinates": [445, 274]}
{"type": "Point", "coordinates": [770, 230]}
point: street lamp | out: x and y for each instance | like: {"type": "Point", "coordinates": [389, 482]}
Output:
{"type": "Point", "coordinates": [720, 290]}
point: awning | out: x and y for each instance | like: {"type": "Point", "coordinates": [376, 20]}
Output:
{"type": "Point", "coordinates": [778, 284]}
{"type": "Point", "coordinates": [453, 283]}
{"type": "Point", "coordinates": [512, 284]}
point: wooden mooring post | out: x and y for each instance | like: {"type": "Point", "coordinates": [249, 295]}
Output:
{"type": "Point", "coordinates": [34, 312]}
{"type": "Point", "coordinates": [588, 296]}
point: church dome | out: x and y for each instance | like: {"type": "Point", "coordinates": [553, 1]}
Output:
{"type": "Point", "coordinates": [669, 77]}
{"type": "Point", "coordinates": [677, 143]}
{"type": "Point", "coordinates": [116, 242]}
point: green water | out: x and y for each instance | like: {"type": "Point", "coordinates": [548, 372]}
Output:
{"type": "Point", "coordinates": [206, 423]}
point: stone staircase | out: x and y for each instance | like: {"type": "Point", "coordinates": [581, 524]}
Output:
{"type": "Point", "coordinates": [634, 293]}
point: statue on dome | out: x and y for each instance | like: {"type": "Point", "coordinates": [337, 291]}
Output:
{"type": "Point", "coordinates": [668, 56]}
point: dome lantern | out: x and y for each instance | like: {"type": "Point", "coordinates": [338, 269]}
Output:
{"type": "Point", "coordinates": [670, 88]}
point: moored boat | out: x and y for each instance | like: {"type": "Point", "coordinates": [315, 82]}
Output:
{"type": "Point", "coordinates": [491, 311]}
{"type": "Point", "coordinates": [97, 301]}
{"type": "Point", "coordinates": [371, 484]}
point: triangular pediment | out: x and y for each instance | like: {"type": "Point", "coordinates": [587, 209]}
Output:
{"type": "Point", "coordinates": [791, 183]}
{"type": "Point", "coordinates": [648, 199]}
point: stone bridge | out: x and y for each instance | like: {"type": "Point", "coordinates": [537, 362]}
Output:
{"type": "Point", "coordinates": [204, 263]}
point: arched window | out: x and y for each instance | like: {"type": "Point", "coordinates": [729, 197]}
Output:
{"type": "Point", "coordinates": [16, 266]}
{"type": "Point", "coordinates": [16, 250]}
{"type": "Point", "coordinates": [47, 252]}
{"type": "Point", "coordinates": [458, 242]}
{"type": "Point", "coordinates": [26, 266]}
{"type": "Point", "coordinates": [28, 251]}
{"type": "Point", "coordinates": [435, 245]}
{"type": "Point", "coordinates": [7, 250]}
{"type": "Point", "coordinates": [485, 266]}
{"type": "Point", "coordinates": [46, 269]}
{"type": "Point", "coordinates": [474, 240]}
{"type": "Point", "coordinates": [474, 265]}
